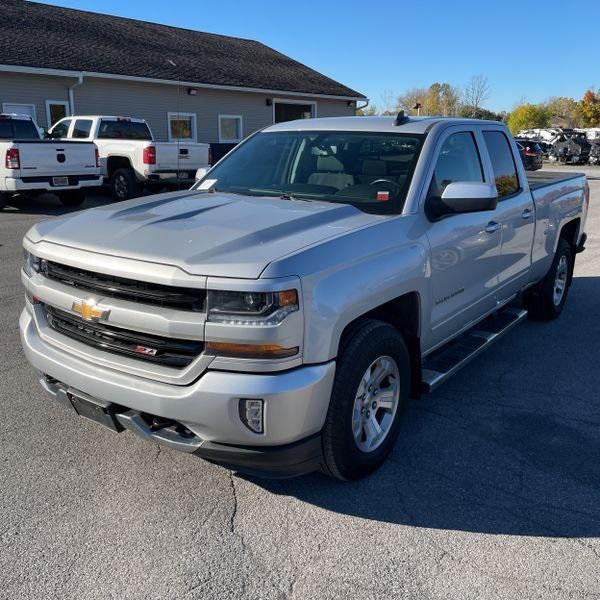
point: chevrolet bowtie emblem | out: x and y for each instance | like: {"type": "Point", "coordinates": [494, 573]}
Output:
{"type": "Point", "coordinates": [89, 311]}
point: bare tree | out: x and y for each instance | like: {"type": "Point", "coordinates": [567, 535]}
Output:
{"type": "Point", "coordinates": [412, 98]}
{"type": "Point", "coordinates": [388, 103]}
{"type": "Point", "coordinates": [477, 91]}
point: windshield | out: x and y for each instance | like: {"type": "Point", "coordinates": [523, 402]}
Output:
{"type": "Point", "coordinates": [369, 170]}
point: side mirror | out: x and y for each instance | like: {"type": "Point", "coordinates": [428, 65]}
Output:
{"type": "Point", "coordinates": [462, 197]}
{"type": "Point", "coordinates": [201, 172]}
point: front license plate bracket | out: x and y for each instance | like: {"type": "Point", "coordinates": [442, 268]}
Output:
{"type": "Point", "coordinates": [96, 410]}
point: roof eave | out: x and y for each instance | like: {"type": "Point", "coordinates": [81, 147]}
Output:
{"type": "Point", "coordinates": [74, 73]}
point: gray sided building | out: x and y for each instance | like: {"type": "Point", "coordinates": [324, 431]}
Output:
{"type": "Point", "coordinates": [188, 85]}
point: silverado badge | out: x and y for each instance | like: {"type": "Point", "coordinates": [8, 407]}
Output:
{"type": "Point", "coordinates": [89, 311]}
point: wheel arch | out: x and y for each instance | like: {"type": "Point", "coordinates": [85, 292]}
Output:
{"type": "Point", "coordinates": [117, 162]}
{"type": "Point", "coordinates": [404, 313]}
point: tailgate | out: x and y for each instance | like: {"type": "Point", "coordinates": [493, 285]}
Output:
{"type": "Point", "coordinates": [57, 158]}
{"type": "Point", "coordinates": [181, 156]}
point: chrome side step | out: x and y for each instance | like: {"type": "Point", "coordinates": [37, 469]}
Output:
{"type": "Point", "coordinates": [443, 363]}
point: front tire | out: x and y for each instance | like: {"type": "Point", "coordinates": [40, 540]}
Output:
{"type": "Point", "coordinates": [124, 185]}
{"type": "Point", "coordinates": [370, 392]}
{"type": "Point", "coordinates": [547, 299]}
{"type": "Point", "coordinates": [72, 198]}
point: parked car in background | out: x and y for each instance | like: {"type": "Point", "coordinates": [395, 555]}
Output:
{"type": "Point", "coordinates": [531, 153]}
{"type": "Point", "coordinates": [329, 270]}
{"type": "Point", "coordinates": [594, 158]}
{"type": "Point", "coordinates": [130, 158]}
{"type": "Point", "coordinates": [571, 148]}
{"type": "Point", "coordinates": [30, 164]}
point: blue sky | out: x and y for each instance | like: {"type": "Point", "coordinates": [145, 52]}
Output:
{"type": "Point", "coordinates": [528, 49]}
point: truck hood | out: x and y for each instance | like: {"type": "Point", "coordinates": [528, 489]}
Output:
{"type": "Point", "coordinates": [213, 234]}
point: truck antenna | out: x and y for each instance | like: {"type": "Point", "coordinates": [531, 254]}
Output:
{"type": "Point", "coordinates": [401, 118]}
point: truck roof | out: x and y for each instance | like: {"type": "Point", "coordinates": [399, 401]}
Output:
{"type": "Point", "coordinates": [417, 125]}
{"type": "Point", "coordinates": [15, 116]}
{"type": "Point", "coordinates": [133, 119]}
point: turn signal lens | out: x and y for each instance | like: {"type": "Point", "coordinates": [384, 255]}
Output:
{"type": "Point", "coordinates": [249, 350]}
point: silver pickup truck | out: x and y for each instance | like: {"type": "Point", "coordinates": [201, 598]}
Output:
{"type": "Point", "coordinates": [277, 317]}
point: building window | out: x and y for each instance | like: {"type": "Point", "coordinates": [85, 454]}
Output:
{"type": "Point", "coordinates": [56, 110]}
{"type": "Point", "coordinates": [230, 129]}
{"type": "Point", "coordinates": [182, 127]}
{"type": "Point", "coordinates": [20, 109]}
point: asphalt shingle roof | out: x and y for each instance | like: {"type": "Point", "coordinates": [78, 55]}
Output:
{"type": "Point", "coordinates": [39, 35]}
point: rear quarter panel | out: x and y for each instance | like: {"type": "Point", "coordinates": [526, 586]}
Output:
{"type": "Point", "coordinates": [556, 205]}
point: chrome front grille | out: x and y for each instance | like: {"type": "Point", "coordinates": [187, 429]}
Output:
{"type": "Point", "coordinates": [170, 352]}
{"type": "Point", "coordinates": [189, 299]}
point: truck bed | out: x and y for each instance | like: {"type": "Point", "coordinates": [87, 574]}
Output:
{"type": "Point", "coordinates": [540, 179]}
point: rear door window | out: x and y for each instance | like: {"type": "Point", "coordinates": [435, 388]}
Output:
{"type": "Point", "coordinates": [82, 128]}
{"type": "Point", "coordinates": [123, 129]}
{"type": "Point", "coordinates": [503, 163]}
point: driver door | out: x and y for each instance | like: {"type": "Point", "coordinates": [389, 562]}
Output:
{"type": "Point", "coordinates": [465, 248]}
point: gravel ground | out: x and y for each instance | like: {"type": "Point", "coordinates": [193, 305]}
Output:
{"type": "Point", "coordinates": [493, 490]}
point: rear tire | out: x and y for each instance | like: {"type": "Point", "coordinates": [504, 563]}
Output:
{"type": "Point", "coordinates": [546, 300]}
{"type": "Point", "coordinates": [72, 198]}
{"type": "Point", "coordinates": [348, 452]}
{"type": "Point", "coordinates": [124, 185]}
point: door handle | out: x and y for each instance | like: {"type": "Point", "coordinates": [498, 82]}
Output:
{"type": "Point", "coordinates": [527, 214]}
{"type": "Point", "coordinates": [492, 226]}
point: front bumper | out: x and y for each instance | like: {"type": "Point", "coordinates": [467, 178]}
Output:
{"type": "Point", "coordinates": [76, 182]}
{"type": "Point", "coordinates": [296, 404]}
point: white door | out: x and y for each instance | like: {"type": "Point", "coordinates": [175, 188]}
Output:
{"type": "Point", "coordinates": [20, 109]}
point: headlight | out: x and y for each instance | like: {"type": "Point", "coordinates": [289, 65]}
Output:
{"type": "Point", "coordinates": [32, 263]}
{"type": "Point", "coordinates": [260, 309]}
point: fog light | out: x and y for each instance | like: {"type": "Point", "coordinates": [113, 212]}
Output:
{"type": "Point", "coordinates": [252, 414]}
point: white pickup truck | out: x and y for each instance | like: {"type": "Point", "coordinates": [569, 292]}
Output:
{"type": "Point", "coordinates": [129, 156]}
{"type": "Point", "coordinates": [278, 316]}
{"type": "Point", "coordinates": [29, 164]}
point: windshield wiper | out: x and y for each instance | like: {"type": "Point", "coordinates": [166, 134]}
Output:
{"type": "Point", "coordinates": [288, 196]}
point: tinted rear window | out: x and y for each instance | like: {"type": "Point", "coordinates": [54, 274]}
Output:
{"type": "Point", "coordinates": [503, 164]}
{"type": "Point", "coordinates": [124, 130]}
{"type": "Point", "coordinates": [82, 128]}
{"type": "Point", "coordinates": [18, 129]}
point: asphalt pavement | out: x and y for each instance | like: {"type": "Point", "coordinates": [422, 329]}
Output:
{"type": "Point", "coordinates": [493, 490]}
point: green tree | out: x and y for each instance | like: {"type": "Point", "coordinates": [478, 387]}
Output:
{"type": "Point", "coordinates": [590, 108]}
{"type": "Point", "coordinates": [470, 112]}
{"type": "Point", "coordinates": [564, 112]}
{"type": "Point", "coordinates": [528, 116]}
